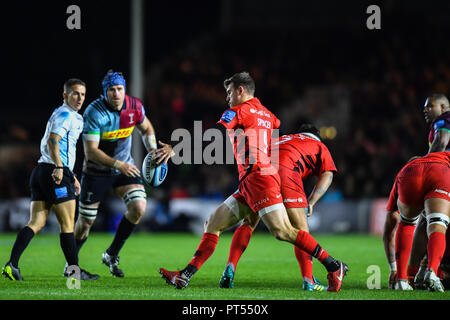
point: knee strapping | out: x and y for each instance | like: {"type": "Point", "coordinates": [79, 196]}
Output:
{"type": "Point", "coordinates": [133, 195]}
{"type": "Point", "coordinates": [410, 221]}
{"type": "Point", "coordinates": [438, 218]}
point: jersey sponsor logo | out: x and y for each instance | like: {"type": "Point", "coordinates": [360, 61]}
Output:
{"type": "Point", "coordinates": [61, 192]}
{"type": "Point", "coordinates": [260, 202]}
{"type": "Point", "coordinates": [228, 116]}
{"type": "Point", "coordinates": [260, 113]}
{"type": "Point", "coordinates": [117, 134]}
{"type": "Point", "coordinates": [131, 118]}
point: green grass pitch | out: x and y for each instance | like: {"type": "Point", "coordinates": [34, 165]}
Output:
{"type": "Point", "coordinates": [268, 270]}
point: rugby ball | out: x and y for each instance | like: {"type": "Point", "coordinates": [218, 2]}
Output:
{"type": "Point", "coordinates": [153, 174]}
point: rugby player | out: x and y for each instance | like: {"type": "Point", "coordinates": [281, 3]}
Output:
{"type": "Point", "coordinates": [53, 184]}
{"type": "Point", "coordinates": [108, 124]}
{"type": "Point", "coordinates": [436, 113]}
{"type": "Point", "coordinates": [300, 156]}
{"type": "Point", "coordinates": [423, 184]}
{"type": "Point", "coordinates": [249, 126]}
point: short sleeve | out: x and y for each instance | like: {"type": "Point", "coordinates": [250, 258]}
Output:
{"type": "Point", "coordinates": [327, 161]}
{"type": "Point", "coordinates": [230, 119]}
{"type": "Point", "coordinates": [392, 203]}
{"type": "Point", "coordinates": [61, 124]}
{"type": "Point", "coordinates": [91, 125]}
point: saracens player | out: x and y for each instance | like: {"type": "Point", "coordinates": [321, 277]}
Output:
{"type": "Point", "coordinates": [250, 124]}
{"type": "Point", "coordinates": [436, 113]}
{"type": "Point", "coordinates": [301, 155]}
{"type": "Point", "coordinates": [424, 183]}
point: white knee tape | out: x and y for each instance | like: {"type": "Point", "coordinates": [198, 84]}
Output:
{"type": "Point", "coordinates": [133, 195]}
{"type": "Point", "coordinates": [438, 218]}
{"type": "Point", "coordinates": [86, 212]}
{"type": "Point", "coordinates": [233, 205]}
{"type": "Point", "coordinates": [410, 221]}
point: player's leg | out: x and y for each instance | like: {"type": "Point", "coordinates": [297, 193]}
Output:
{"type": "Point", "coordinates": [298, 219]}
{"type": "Point", "coordinates": [240, 240]}
{"type": "Point", "coordinates": [39, 211]}
{"type": "Point", "coordinates": [277, 221]}
{"type": "Point", "coordinates": [416, 266]}
{"type": "Point", "coordinates": [135, 199]}
{"type": "Point", "coordinates": [438, 211]}
{"type": "Point", "coordinates": [403, 242]}
{"type": "Point", "coordinates": [222, 218]}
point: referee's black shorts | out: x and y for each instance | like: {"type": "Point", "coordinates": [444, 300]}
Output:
{"type": "Point", "coordinates": [44, 188]}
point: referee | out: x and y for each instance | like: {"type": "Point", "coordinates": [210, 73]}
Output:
{"type": "Point", "coordinates": [52, 183]}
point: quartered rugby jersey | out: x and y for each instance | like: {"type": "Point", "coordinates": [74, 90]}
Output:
{"type": "Point", "coordinates": [68, 124]}
{"type": "Point", "coordinates": [112, 129]}
{"type": "Point", "coordinates": [440, 123]}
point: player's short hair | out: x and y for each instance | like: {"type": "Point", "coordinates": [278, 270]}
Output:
{"type": "Point", "coordinates": [72, 82]}
{"type": "Point", "coordinates": [241, 79]}
{"type": "Point", "coordinates": [310, 128]}
{"type": "Point", "coordinates": [439, 97]}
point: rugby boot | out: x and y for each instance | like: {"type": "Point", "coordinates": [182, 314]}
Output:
{"type": "Point", "coordinates": [335, 278]}
{"type": "Point", "coordinates": [174, 278]}
{"type": "Point", "coordinates": [403, 285]}
{"type": "Point", "coordinates": [227, 277]}
{"type": "Point", "coordinates": [112, 262]}
{"type": "Point", "coordinates": [315, 286]}
{"type": "Point", "coordinates": [419, 279]}
{"type": "Point", "coordinates": [84, 274]}
{"type": "Point", "coordinates": [432, 281]}
{"type": "Point", "coordinates": [12, 273]}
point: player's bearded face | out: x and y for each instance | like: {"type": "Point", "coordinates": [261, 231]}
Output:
{"type": "Point", "coordinates": [116, 96]}
{"type": "Point", "coordinates": [75, 97]}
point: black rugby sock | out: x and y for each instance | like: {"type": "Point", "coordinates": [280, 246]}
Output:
{"type": "Point", "coordinates": [22, 240]}
{"type": "Point", "coordinates": [79, 243]}
{"type": "Point", "coordinates": [68, 246]}
{"type": "Point", "coordinates": [124, 230]}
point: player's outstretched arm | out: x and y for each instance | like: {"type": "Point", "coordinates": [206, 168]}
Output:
{"type": "Point", "coordinates": [390, 228]}
{"type": "Point", "coordinates": [93, 153]}
{"type": "Point", "coordinates": [322, 185]}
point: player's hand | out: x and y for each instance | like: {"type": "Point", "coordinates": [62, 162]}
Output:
{"type": "Point", "coordinates": [163, 154]}
{"type": "Point", "coordinates": [310, 210]}
{"type": "Point", "coordinates": [57, 175]}
{"type": "Point", "coordinates": [128, 169]}
{"type": "Point", "coordinates": [77, 187]}
{"type": "Point", "coordinates": [392, 277]}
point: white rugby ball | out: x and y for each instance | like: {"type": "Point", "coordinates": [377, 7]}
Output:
{"type": "Point", "coordinates": [152, 173]}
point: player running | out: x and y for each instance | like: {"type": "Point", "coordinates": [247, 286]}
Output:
{"type": "Point", "coordinates": [249, 126]}
{"type": "Point", "coordinates": [108, 124]}
{"type": "Point", "coordinates": [53, 184]}
{"type": "Point", "coordinates": [300, 156]}
{"type": "Point", "coordinates": [423, 183]}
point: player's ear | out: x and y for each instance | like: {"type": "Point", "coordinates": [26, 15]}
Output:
{"type": "Point", "coordinates": [65, 96]}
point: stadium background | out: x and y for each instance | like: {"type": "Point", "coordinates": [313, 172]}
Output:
{"type": "Point", "coordinates": [312, 61]}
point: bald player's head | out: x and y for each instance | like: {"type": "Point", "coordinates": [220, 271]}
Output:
{"type": "Point", "coordinates": [435, 105]}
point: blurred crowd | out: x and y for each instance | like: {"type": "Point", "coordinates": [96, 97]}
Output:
{"type": "Point", "coordinates": [385, 79]}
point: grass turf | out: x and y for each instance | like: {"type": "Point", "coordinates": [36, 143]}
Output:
{"type": "Point", "coordinates": [268, 270]}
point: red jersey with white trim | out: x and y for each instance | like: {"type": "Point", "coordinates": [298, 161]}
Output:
{"type": "Point", "coordinates": [249, 126]}
{"type": "Point", "coordinates": [303, 153]}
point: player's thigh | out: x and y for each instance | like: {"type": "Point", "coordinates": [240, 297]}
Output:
{"type": "Point", "coordinates": [65, 213]}
{"type": "Point", "coordinates": [221, 219]}
{"type": "Point", "coordinates": [298, 218]}
{"type": "Point", "coordinates": [39, 211]}
{"type": "Point", "coordinates": [278, 223]}
{"type": "Point", "coordinates": [408, 211]}
{"type": "Point", "coordinates": [252, 219]}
